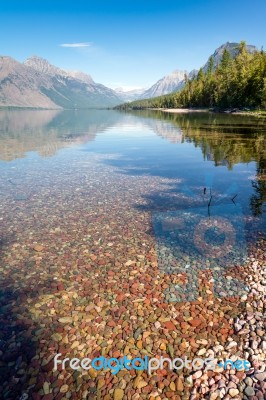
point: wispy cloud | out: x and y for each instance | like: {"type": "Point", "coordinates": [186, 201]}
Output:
{"type": "Point", "coordinates": [76, 45]}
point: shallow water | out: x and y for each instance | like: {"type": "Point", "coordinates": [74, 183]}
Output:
{"type": "Point", "coordinates": [42, 151]}
{"type": "Point", "coordinates": [100, 211]}
{"type": "Point", "coordinates": [67, 177]}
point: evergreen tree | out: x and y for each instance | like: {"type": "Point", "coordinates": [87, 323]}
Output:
{"type": "Point", "coordinates": [235, 83]}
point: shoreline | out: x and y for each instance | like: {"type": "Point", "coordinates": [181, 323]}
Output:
{"type": "Point", "coordinates": [255, 113]}
{"type": "Point", "coordinates": [183, 110]}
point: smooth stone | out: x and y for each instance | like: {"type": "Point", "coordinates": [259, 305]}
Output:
{"type": "Point", "coordinates": [157, 325]}
{"type": "Point", "coordinates": [137, 333]}
{"type": "Point", "coordinates": [46, 388]}
{"type": "Point", "coordinates": [249, 391]}
{"type": "Point", "coordinates": [248, 381]}
{"type": "Point", "coordinates": [171, 350]}
{"type": "Point", "coordinates": [100, 384]}
{"type": "Point", "coordinates": [197, 374]}
{"type": "Point", "coordinates": [64, 388]}
{"type": "Point", "coordinates": [118, 394]}
{"type": "Point", "coordinates": [201, 352]}
{"type": "Point", "coordinates": [56, 337]}
{"type": "Point", "coordinates": [238, 327]}
{"type": "Point", "coordinates": [233, 392]}
{"type": "Point", "coordinates": [261, 376]}
{"type": "Point", "coordinates": [66, 320]}
{"type": "Point", "coordinates": [179, 385]}
{"type": "Point", "coordinates": [231, 345]}
{"type": "Point", "coordinates": [189, 381]}
{"type": "Point", "coordinates": [139, 383]}
{"type": "Point", "coordinates": [38, 247]}
{"type": "Point", "coordinates": [92, 372]}
{"type": "Point", "coordinates": [263, 345]}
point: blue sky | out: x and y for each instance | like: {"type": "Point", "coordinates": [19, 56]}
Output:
{"type": "Point", "coordinates": [129, 43]}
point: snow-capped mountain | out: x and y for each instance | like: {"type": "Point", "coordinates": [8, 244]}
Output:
{"type": "Point", "coordinates": [168, 84]}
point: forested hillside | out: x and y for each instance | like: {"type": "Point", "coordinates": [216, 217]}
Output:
{"type": "Point", "coordinates": [238, 82]}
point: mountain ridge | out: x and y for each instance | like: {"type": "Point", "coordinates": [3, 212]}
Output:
{"type": "Point", "coordinates": [167, 84]}
{"type": "Point", "coordinates": [232, 48]}
{"type": "Point", "coordinates": [39, 84]}
{"type": "Point", "coordinates": [15, 90]}
{"type": "Point", "coordinates": [234, 79]}
{"type": "Point", "coordinates": [174, 82]}
{"type": "Point", "coordinates": [42, 65]}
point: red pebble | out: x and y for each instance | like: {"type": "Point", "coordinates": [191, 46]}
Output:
{"type": "Point", "coordinates": [169, 325]}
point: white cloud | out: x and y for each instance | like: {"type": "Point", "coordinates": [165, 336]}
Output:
{"type": "Point", "coordinates": [76, 45]}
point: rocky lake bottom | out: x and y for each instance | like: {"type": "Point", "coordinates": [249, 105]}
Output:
{"type": "Point", "coordinates": [104, 252]}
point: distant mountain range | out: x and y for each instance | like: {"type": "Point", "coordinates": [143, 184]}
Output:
{"type": "Point", "coordinates": [168, 84]}
{"type": "Point", "coordinates": [39, 84]}
{"type": "Point", "coordinates": [36, 83]}
{"type": "Point", "coordinates": [129, 95]}
{"type": "Point", "coordinates": [176, 80]}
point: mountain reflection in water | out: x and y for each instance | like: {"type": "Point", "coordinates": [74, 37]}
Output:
{"type": "Point", "coordinates": [224, 140]}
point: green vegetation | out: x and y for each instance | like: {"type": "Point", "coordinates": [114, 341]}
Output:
{"type": "Point", "coordinates": [238, 82]}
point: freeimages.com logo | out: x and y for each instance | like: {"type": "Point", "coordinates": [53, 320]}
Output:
{"type": "Point", "coordinates": [208, 236]}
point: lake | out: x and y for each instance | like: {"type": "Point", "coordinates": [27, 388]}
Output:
{"type": "Point", "coordinates": [63, 153]}
{"type": "Point", "coordinates": [102, 213]}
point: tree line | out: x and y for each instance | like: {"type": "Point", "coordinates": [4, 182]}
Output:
{"type": "Point", "coordinates": [236, 82]}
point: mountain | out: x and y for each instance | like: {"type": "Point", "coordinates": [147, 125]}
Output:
{"type": "Point", "coordinates": [39, 84]}
{"type": "Point", "coordinates": [168, 84]}
{"type": "Point", "coordinates": [232, 49]}
{"type": "Point", "coordinates": [193, 73]}
{"type": "Point", "coordinates": [73, 89]}
{"type": "Point", "coordinates": [19, 85]}
{"type": "Point", "coordinates": [175, 81]}
{"type": "Point", "coordinates": [81, 76]}
{"type": "Point", "coordinates": [238, 84]}
{"type": "Point", "coordinates": [129, 95]}
{"type": "Point", "coordinates": [43, 66]}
